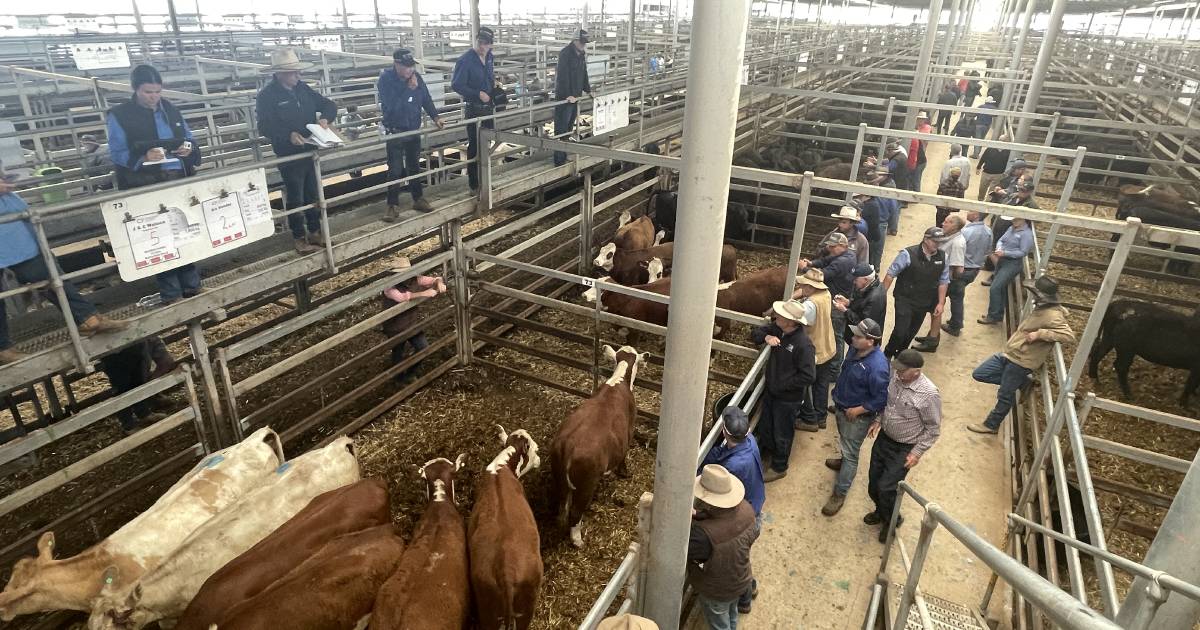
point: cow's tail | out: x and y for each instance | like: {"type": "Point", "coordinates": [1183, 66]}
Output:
{"type": "Point", "coordinates": [567, 493]}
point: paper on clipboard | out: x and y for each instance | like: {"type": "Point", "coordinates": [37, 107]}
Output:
{"type": "Point", "coordinates": [255, 206]}
{"type": "Point", "coordinates": [170, 160]}
{"type": "Point", "coordinates": [150, 239]}
{"type": "Point", "coordinates": [223, 215]}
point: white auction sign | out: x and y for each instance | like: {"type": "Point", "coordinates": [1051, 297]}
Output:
{"type": "Point", "coordinates": [325, 42]}
{"type": "Point", "coordinates": [610, 112]}
{"type": "Point", "coordinates": [100, 55]}
{"type": "Point", "coordinates": [597, 67]}
{"type": "Point", "coordinates": [159, 231]}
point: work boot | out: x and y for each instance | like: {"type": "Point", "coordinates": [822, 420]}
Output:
{"type": "Point", "coordinates": [982, 428]}
{"type": "Point", "coordinates": [302, 247]}
{"type": "Point", "coordinates": [422, 205]}
{"type": "Point", "coordinates": [929, 345]}
{"type": "Point", "coordinates": [11, 355]}
{"type": "Point", "coordinates": [774, 475]}
{"type": "Point", "coordinates": [953, 332]}
{"type": "Point", "coordinates": [872, 518]}
{"type": "Point", "coordinates": [314, 238]}
{"type": "Point", "coordinates": [834, 504]}
{"type": "Point", "coordinates": [883, 533]}
{"type": "Point", "coordinates": [100, 324]}
{"type": "Point", "coordinates": [987, 322]}
{"type": "Point", "coordinates": [807, 427]}
{"type": "Point", "coordinates": [392, 215]}
{"type": "Point", "coordinates": [834, 463]}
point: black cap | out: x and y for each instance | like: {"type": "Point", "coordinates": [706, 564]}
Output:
{"type": "Point", "coordinates": [582, 36]}
{"type": "Point", "coordinates": [404, 57]}
{"type": "Point", "coordinates": [737, 423]}
{"type": "Point", "coordinates": [862, 270]}
{"type": "Point", "coordinates": [485, 35]}
{"type": "Point", "coordinates": [910, 358]}
{"type": "Point", "coordinates": [935, 233]}
{"type": "Point", "coordinates": [144, 74]}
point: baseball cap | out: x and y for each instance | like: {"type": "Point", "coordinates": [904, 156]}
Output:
{"type": "Point", "coordinates": [404, 56]}
{"type": "Point", "coordinates": [836, 238]}
{"type": "Point", "coordinates": [867, 328]}
{"type": "Point", "coordinates": [935, 233]}
{"type": "Point", "coordinates": [486, 35]}
{"type": "Point", "coordinates": [862, 270]}
{"type": "Point", "coordinates": [582, 36]}
{"type": "Point", "coordinates": [737, 423]}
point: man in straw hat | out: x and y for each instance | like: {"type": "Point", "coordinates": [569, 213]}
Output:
{"type": "Point", "coordinates": [922, 278]}
{"type": "Point", "coordinates": [790, 371]}
{"type": "Point", "coordinates": [851, 225]}
{"type": "Point", "coordinates": [285, 108]}
{"type": "Point", "coordinates": [824, 328]}
{"type": "Point", "coordinates": [738, 453]}
{"type": "Point", "coordinates": [718, 557]}
{"type": "Point", "coordinates": [415, 287]}
{"type": "Point", "coordinates": [904, 431]}
{"type": "Point", "coordinates": [860, 394]}
{"type": "Point", "coordinates": [402, 96]}
{"type": "Point", "coordinates": [1026, 351]}
{"type": "Point", "coordinates": [473, 79]}
{"type": "Point", "coordinates": [627, 621]}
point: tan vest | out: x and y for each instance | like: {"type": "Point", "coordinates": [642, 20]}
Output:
{"type": "Point", "coordinates": [821, 332]}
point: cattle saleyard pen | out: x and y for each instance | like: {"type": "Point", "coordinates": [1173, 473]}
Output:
{"type": "Point", "coordinates": [1097, 520]}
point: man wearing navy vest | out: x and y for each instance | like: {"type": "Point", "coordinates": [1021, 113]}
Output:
{"type": "Point", "coordinates": [150, 142]}
{"type": "Point", "coordinates": [921, 277]}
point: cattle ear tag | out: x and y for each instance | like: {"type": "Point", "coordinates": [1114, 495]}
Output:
{"type": "Point", "coordinates": [283, 468]}
{"type": "Point", "coordinates": [214, 460]}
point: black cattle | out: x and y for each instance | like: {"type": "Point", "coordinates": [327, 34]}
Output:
{"type": "Point", "coordinates": [664, 206]}
{"type": "Point", "coordinates": [1155, 333]}
{"type": "Point", "coordinates": [1156, 205]}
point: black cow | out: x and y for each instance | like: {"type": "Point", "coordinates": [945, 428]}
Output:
{"type": "Point", "coordinates": [664, 205]}
{"type": "Point", "coordinates": [1155, 333]}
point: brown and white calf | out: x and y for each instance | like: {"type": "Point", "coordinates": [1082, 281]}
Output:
{"type": "Point", "coordinates": [43, 583]}
{"type": "Point", "coordinates": [333, 590]}
{"type": "Point", "coordinates": [752, 294]}
{"type": "Point", "coordinates": [506, 560]}
{"type": "Point", "coordinates": [634, 307]}
{"type": "Point", "coordinates": [431, 588]}
{"type": "Point", "coordinates": [164, 592]}
{"type": "Point", "coordinates": [593, 441]}
{"type": "Point", "coordinates": [629, 266]}
{"type": "Point", "coordinates": [635, 233]}
{"type": "Point", "coordinates": [358, 506]}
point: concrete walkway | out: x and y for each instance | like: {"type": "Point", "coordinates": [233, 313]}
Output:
{"type": "Point", "coordinates": [817, 572]}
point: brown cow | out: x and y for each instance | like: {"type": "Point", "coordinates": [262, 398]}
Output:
{"type": "Point", "coordinates": [594, 441]}
{"type": "Point", "coordinates": [752, 295]}
{"type": "Point", "coordinates": [634, 234]}
{"type": "Point", "coordinates": [333, 590]}
{"type": "Point", "coordinates": [634, 307]}
{"type": "Point", "coordinates": [506, 561]}
{"type": "Point", "coordinates": [430, 590]}
{"type": "Point", "coordinates": [348, 509]}
{"type": "Point", "coordinates": [628, 267]}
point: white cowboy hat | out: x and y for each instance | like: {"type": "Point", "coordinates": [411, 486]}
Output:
{"type": "Point", "coordinates": [847, 212]}
{"type": "Point", "coordinates": [286, 60]}
{"type": "Point", "coordinates": [718, 487]}
{"type": "Point", "coordinates": [922, 115]}
{"type": "Point", "coordinates": [626, 621]}
{"type": "Point", "coordinates": [813, 278]}
{"type": "Point", "coordinates": [793, 310]}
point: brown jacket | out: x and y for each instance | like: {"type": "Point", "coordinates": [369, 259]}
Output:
{"type": "Point", "coordinates": [1051, 324]}
{"type": "Point", "coordinates": [726, 573]}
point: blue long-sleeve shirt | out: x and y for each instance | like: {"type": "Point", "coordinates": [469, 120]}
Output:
{"type": "Point", "coordinates": [837, 270]}
{"type": "Point", "coordinates": [744, 462]}
{"type": "Point", "coordinates": [118, 144]}
{"type": "Point", "coordinates": [979, 244]}
{"type": "Point", "coordinates": [472, 76]}
{"type": "Point", "coordinates": [17, 240]}
{"type": "Point", "coordinates": [1016, 243]}
{"type": "Point", "coordinates": [863, 381]}
{"type": "Point", "coordinates": [401, 104]}
{"type": "Point", "coordinates": [985, 119]}
{"type": "Point", "coordinates": [902, 261]}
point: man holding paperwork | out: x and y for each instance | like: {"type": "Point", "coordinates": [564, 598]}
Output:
{"type": "Point", "coordinates": [402, 96]}
{"type": "Point", "coordinates": [286, 108]}
{"type": "Point", "coordinates": [150, 142]}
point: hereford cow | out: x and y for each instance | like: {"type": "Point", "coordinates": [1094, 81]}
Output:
{"type": "Point", "coordinates": [1155, 333]}
{"type": "Point", "coordinates": [430, 589]}
{"type": "Point", "coordinates": [333, 590]}
{"type": "Point", "coordinates": [219, 480]}
{"type": "Point", "coordinates": [594, 441]}
{"type": "Point", "coordinates": [164, 592]}
{"type": "Point", "coordinates": [506, 561]}
{"type": "Point", "coordinates": [634, 307]}
{"type": "Point", "coordinates": [628, 267]}
{"type": "Point", "coordinates": [633, 234]}
{"type": "Point", "coordinates": [348, 509]}
{"type": "Point", "coordinates": [753, 294]}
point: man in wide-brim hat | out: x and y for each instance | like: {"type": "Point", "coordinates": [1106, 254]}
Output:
{"type": "Point", "coordinates": [718, 559]}
{"type": "Point", "coordinates": [790, 371]}
{"type": "Point", "coordinates": [285, 107]}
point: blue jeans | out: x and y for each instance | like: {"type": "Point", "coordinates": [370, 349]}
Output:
{"type": "Point", "coordinates": [719, 615]}
{"type": "Point", "coordinates": [1007, 269]}
{"type": "Point", "coordinates": [981, 132]}
{"type": "Point", "coordinates": [851, 434]}
{"type": "Point", "coordinates": [403, 159]}
{"type": "Point", "coordinates": [564, 122]}
{"type": "Point", "coordinates": [917, 175]}
{"type": "Point", "coordinates": [876, 242]}
{"type": "Point", "coordinates": [998, 370]}
{"type": "Point", "coordinates": [300, 189]}
{"type": "Point", "coordinates": [827, 374]}
{"type": "Point", "coordinates": [956, 292]}
{"type": "Point", "coordinates": [35, 270]}
{"type": "Point", "coordinates": [776, 428]}
{"type": "Point", "coordinates": [178, 283]}
{"type": "Point", "coordinates": [400, 350]}
{"type": "Point", "coordinates": [893, 225]}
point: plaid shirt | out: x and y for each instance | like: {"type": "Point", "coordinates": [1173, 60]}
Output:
{"type": "Point", "coordinates": [913, 414]}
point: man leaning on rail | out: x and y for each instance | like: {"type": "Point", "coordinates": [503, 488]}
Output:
{"type": "Point", "coordinates": [474, 80]}
{"type": "Point", "coordinates": [150, 142]}
{"type": "Point", "coordinates": [285, 108]}
{"type": "Point", "coordinates": [570, 82]}
{"type": "Point", "coordinates": [20, 254]}
{"type": "Point", "coordinates": [402, 96]}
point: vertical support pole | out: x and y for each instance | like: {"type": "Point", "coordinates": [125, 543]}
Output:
{"type": "Point", "coordinates": [326, 236]}
{"type": "Point", "coordinates": [1091, 509]}
{"type": "Point", "coordinates": [235, 416]}
{"type": "Point", "coordinates": [82, 362]}
{"type": "Point", "coordinates": [948, 41]}
{"type": "Point", "coordinates": [718, 34]}
{"type": "Point", "coordinates": [462, 295]}
{"type": "Point", "coordinates": [1019, 48]}
{"type": "Point", "coordinates": [175, 27]}
{"type": "Point", "coordinates": [857, 160]}
{"type": "Point", "coordinates": [887, 123]}
{"type": "Point", "coordinates": [629, 35]}
{"type": "Point", "coordinates": [918, 86]}
{"type": "Point", "coordinates": [202, 360]}
{"type": "Point", "coordinates": [789, 285]}
{"type": "Point", "coordinates": [1049, 38]}
{"type": "Point", "coordinates": [586, 206]}
{"type": "Point", "coordinates": [1049, 142]}
{"type": "Point", "coordinates": [1063, 201]}
{"type": "Point", "coordinates": [475, 23]}
{"type": "Point", "coordinates": [137, 18]}
{"type": "Point", "coordinates": [189, 384]}
{"type": "Point", "coordinates": [924, 539]}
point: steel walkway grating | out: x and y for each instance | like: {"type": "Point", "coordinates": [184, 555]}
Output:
{"type": "Point", "coordinates": [943, 614]}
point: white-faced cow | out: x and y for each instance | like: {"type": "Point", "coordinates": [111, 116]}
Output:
{"type": "Point", "coordinates": [594, 441]}
{"type": "Point", "coordinates": [333, 590]}
{"type": "Point", "coordinates": [164, 592]}
{"type": "Point", "coordinates": [506, 561]}
{"type": "Point", "coordinates": [43, 583]}
{"type": "Point", "coordinates": [348, 509]}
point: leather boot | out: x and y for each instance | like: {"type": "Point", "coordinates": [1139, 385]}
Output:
{"type": "Point", "coordinates": [302, 247]}
{"type": "Point", "coordinates": [100, 324]}
{"type": "Point", "coordinates": [11, 355]}
{"type": "Point", "coordinates": [834, 504]}
{"type": "Point", "coordinates": [422, 205]}
{"type": "Point", "coordinates": [314, 238]}
{"type": "Point", "coordinates": [392, 215]}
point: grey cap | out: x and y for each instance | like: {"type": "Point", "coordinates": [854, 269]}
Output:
{"type": "Point", "coordinates": [737, 423]}
{"type": "Point", "coordinates": [836, 238]}
{"type": "Point", "coordinates": [867, 328]}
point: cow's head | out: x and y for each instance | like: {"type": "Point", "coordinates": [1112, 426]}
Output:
{"type": "Point", "coordinates": [654, 269]}
{"type": "Point", "coordinates": [625, 362]}
{"type": "Point", "coordinates": [26, 590]}
{"type": "Point", "coordinates": [590, 294]}
{"type": "Point", "coordinates": [604, 259]}
{"type": "Point", "coordinates": [117, 608]}
{"type": "Point", "coordinates": [520, 453]}
{"type": "Point", "coordinates": [438, 474]}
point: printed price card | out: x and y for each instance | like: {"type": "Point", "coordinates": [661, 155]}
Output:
{"type": "Point", "coordinates": [223, 215]}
